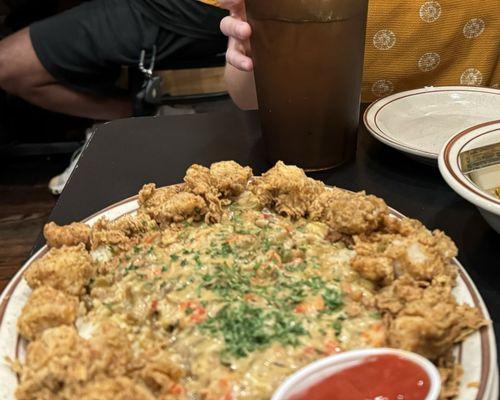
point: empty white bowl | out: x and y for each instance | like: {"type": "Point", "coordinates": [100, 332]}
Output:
{"type": "Point", "coordinates": [322, 369]}
{"type": "Point", "coordinates": [476, 186]}
{"type": "Point", "coordinates": [418, 122]}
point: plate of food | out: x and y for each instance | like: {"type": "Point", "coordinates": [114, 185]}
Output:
{"type": "Point", "coordinates": [223, 286]}
{"type": "Point", "coordinates": [419, 122]}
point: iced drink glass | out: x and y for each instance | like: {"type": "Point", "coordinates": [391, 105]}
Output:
{"type": "Point", "coordinates": [308, 58]}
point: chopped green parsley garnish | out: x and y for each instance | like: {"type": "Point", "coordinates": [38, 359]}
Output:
{"type": "Point", "coordinates": [246, 328]}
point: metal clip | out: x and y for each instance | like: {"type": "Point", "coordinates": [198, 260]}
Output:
{"type": "Point", "coordinates": [148, 72]}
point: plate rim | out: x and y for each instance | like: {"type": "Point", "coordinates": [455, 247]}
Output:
{"type": "Point", "coordinates": [450, 169]}
{"type": "Point", "coordinates": [487, 334]}
{"type": "Point", "coordinates": [370, 114]}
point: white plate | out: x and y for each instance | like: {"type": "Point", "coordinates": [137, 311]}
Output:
{"type": "Point", "coordinates": [419, 122]}
{"type": "Point", "coordinates": [449, 166]}
{"type": "Point", "coordinates": [477, 353]}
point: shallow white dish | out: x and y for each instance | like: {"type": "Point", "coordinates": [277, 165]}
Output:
{"type": "Point", "coordinates": [477, 353]}
{"type": "Point", "coordinates": [419, 122]}
{"type": "Point", "coordinates": [322, 369]}
{"type": "Point", "coordinates": [449, 165]}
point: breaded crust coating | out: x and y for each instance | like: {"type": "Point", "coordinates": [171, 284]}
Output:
{"type": "Point", "coordinates": [225, 179]}
{"type": "Point", "coordinates": [450, 373]}
{"type": "Point", "coordinates": [68, 269]}
{"type": "Point", "coordinates": [46, 308]}
{"type": "Point", "coordinates": [427, 320]}
{"type": "Point", "coordinates": [216, 185]}
{"type": "Point", "coordinates": [151, 197]}
{"type": "Point", "coordinates": [120, 388]}
{"type": "Point", "coordinates": [349, 213]}
{"type": "Point", "coordinates": [119, 232]}
{"type": "Point", "coordinates": [287, 190]}
{"type": "Point", "coordinates": [62, 365]}
{"type": "Point", "coordinates": [66, 235]}
{"type": "Point", "coordinates": [59, 358]}
{"type": "Point", "coordinates": [172, 204]}
{"type": "Point", "coordinates": [199, 182]}
{"type": "Point", "coordinates": [230, 178]}
{"type": "Point", "coordinates": [131, 224]}
{"type": "Point", "coordinates": [181, 207]}
{"type": "Point", "coordinates": [382, 257]}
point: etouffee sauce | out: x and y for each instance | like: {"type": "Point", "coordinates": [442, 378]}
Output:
{"type": "Point", "coordinates": [383, 377]}
{"type": "Point", "coordinates": [238, 305]}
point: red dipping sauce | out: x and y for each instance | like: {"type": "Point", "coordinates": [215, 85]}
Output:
{"type": "Point", "coordinates": [384, 377]}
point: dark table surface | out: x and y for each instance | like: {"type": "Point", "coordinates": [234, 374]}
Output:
{"type": "Point", "coordinates": [125, 154]}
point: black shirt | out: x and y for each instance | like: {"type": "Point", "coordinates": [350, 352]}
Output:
{"type": "Point", "coordinates": [186, 17]}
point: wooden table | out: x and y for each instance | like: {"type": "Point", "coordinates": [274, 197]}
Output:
{"type": "Point", "coordinates": [125, 154]}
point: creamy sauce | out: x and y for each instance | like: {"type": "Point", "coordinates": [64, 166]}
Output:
{"type": "Point", "coordinates": [239, 305]}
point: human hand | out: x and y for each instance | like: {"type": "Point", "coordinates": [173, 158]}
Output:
{"type": "Point", "coordinates": [238, 30]}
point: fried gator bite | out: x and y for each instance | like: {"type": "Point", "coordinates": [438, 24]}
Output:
{"type": "Point", "coordinates": [67, 235]}
{"type": "Point", "coordinates": [122, 231]}
{"type": "Point", "coordinates": [202, 195]}
{"type": "Point", "coordinates": [57, 359]}
{"type": "Point", "coordinates": [171, 204]}
{"type": "Point", "coordinates": [433, 322]}
{"type": "Point", "coordinates": [349, 213]}
{"type": "Point", "coordinates": [46, 308]}
{"type": "Point", "coordinates": [287, 190]}
{"type": "Point", "coordinates": [62, 365]}
{"type": "Point", "coordinates": [224, 180]}
{"type": "Point", "coordinates": [119, 388]}
{"type": "Point", "coordinates": [403, 247]}
{"type": "Point", "coordinates": [230, 178]}
{"type": "Point", "coordinates": [451, 374]}
{"type": "Point", "coordinates": [68, 269]}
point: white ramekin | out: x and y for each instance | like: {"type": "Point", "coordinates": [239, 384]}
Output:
{"type": "Point", "coordinates": [321, 369]}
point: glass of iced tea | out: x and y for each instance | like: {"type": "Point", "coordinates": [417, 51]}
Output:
{"type": "Point", "coordinates": [308, 58]}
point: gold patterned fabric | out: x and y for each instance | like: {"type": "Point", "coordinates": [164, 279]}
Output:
{"type": "Point", "coordinates": [417, 43]}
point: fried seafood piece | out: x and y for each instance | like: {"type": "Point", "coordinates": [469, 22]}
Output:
{"type": "Point", "coordinates": [349, 213]}
{"type": "Point", "coordinates": [230, 178]}
{"type": "Point", "coordinates": [199, 181]}
{"type": "Point", "coordinates": [112, 351]}
{"type": "Point", "coordinates": [381, 257]}
{"type": "Point", "coordinates": [60, 358]}
{"type": "Point", "coordinates": [66, 235]}
{"type": "Point", "coordinates": [62, 365]}
{"type": "Point", "coordinates": [403, 290]}
{"type": "Point", "coordinates": [46, 308]}
{"type": "Point", "coordinates": [287, 190]}
{"type": "Point", "coordinates": [224, 180]}
{"type": "Point", "coordinates": [68, 269]}
{"type": "Point", "coordinates": [120, 231]}
{"type": "Point", "coordinates": [60, 362]}
{"type": "Point", "coordinates": [432, 324]}
{"type": "Point", "coordinates": [451, 374]}
{"type": "Point", "coordinates": [120, 388]}
{"type": "Point", "coordinates": [131, 225]}
{"type": "Point", "coordinates": [171, 204]}
{"type": "Point", "coordinates": [113, 238]}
